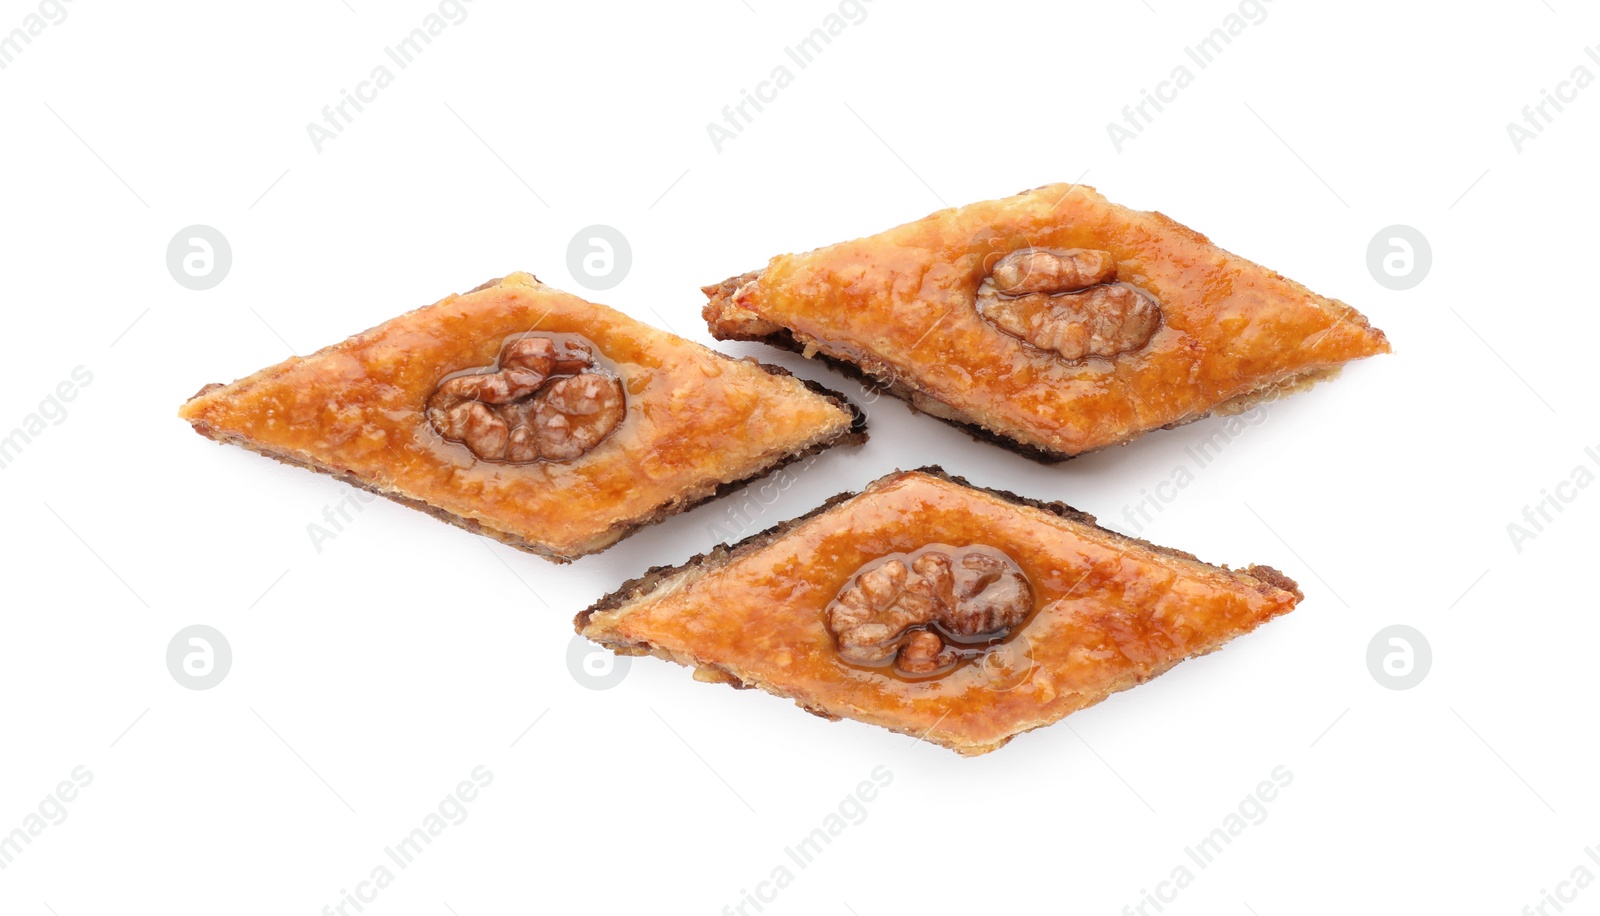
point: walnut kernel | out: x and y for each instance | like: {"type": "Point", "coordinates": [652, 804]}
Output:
{"type": "Point", "coordinates": [1050, 270]}
{"type": "Point", "coordinates": [1064, 301]}
{"type": "Point", "coordinates": [927, 611]}
{"type": "Point", "coordinates": [544, 400]}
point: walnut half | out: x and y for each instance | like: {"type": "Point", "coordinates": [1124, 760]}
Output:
{"type": "Point", "coordinates": [927, 611]}
{"type": "Point", "coordinates": [1064, 301]}
{"type": "Point", "coordinates": [545, 399]}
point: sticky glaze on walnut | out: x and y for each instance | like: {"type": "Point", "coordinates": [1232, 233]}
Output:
{"type": "Point", "coordinates": [925, 612]}
{"type": "Point", "coordinates": [1065, 301]}
{"type": "Point", "coordinates": [546, 399]}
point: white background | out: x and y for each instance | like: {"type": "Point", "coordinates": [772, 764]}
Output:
{"type": "Point", "coordinates": [372, 676]}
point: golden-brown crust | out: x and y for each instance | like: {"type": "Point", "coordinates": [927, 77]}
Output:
{"type": "Point", "coordinates": [1216, 604]}
{"type": "Point", "coordinates": [722, 311]}
{"type": "Point", "coordinates": [602, 539]}
{"type": "Point", "coordinates": [899, 308]}
{"type": "Point", "coordinates": [915, 400]}
{"type": "Point", "coordinates": [717, 556]}
{"type": "Point", "coordinates": [354, 411]}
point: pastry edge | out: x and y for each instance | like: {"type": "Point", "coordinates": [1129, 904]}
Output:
{"type": "Point", "coordinates": [727, 320]}
{"type": "Point", "coordinates": [1267, 579]}
{"type": "Point", "coordinates": [854, 434]}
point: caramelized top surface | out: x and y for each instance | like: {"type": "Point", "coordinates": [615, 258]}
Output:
{"type": "Point", "coordinates": [1110, 612]}
{"type": "Point", "coordinates": [902, 303]}
{"type": "Point", "coordinates": [694, 418]}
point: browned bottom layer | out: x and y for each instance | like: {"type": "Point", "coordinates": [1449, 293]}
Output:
{"type": "Point", "coordinates": [920, 402]}
{"type": "Point", "coordinates": [723, 554]}
{"type": "Point", "coordinates": [683, 503]}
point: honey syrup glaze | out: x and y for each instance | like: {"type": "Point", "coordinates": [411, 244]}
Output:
{"type": "Point", "coordinates": [546, 397]}
{"type": "Point", "coordinates": [923, 614]}
{"type": "Point", "coordinates": [901, 306]}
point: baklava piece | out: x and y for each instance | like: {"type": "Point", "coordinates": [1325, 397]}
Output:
{"type": "Point", "coordinates": [1053, 321]}
{"type": "Point", "coordinates": [528, 415]}
{"type": "Point", "coordinates": [960, 615]}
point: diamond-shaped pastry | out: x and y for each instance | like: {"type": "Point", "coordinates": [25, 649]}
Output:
{"type": "Point", "coordinates": [1053, 321]}
{"type": "Point", "coordinates": [528, 415]}
{"type": "Point", "coordinates": [959, 615]}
